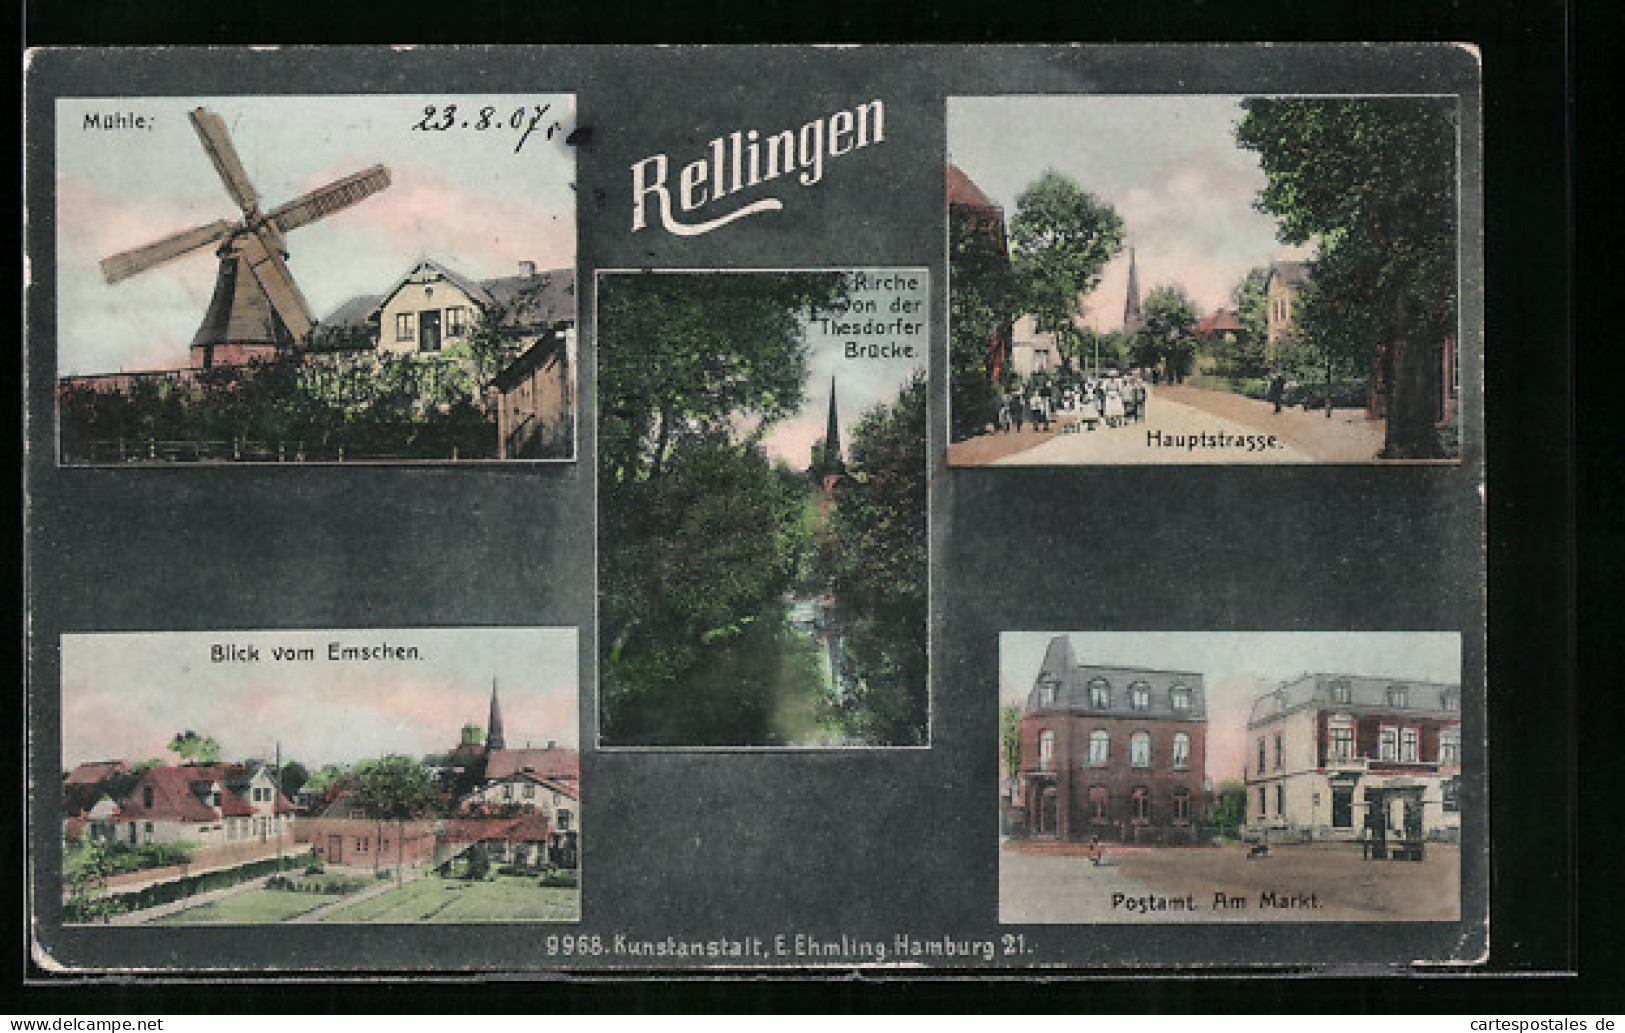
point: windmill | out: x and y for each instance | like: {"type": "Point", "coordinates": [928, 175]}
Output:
{"type": "Point", "coordinates": [257, 309]}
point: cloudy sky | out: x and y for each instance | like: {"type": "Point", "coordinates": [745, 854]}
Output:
{"type": "Point", "coordinates": [1169, 165]}
{"type": "Point", "coordinates": [1237, 666]}
{"type": "Point", "coordinates": [461, 196]}
{"type": "Point", "coordinates": [861, 383]}
{"type": "Point", "coordinates": [125, 695]}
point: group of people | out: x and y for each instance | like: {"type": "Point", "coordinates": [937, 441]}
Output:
{"type": "Point", "coordinates": [1085, 401]}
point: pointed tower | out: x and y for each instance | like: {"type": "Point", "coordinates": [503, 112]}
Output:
{"type": "Point", "coordinates": [832, 437]}
{"type": "Point", "coordinates": [493, 731]}
{"type": "Point", "coordinates": [1133, 318]}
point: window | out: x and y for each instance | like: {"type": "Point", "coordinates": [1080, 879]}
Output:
{"type": "Point", "coordinates": [1100, 693]}
{"type": "Point", "coordinates": [1099, 802]}
{"type": "Point", "coordinates": [1399, 697]}
{"type": "Point", "coordinates": [1047, 690]}
{"type": "Point", "coordinates": [1341, 692]}
{"type": "Point", "coordinates": [1388, 744]}
{"type": "Point", "coordinates": [1140, 695]}
{"type": "Point", "coordinates": [1407, 745]}
{"type": "Point", "coordinates": [1182, 805]}
{"type": "Point", "coordinates": [1179, 697]}
{"type": "Point", "coordinates": [1139, 749]}
{"type": "Point", "coordinates": [1451, 701]}
{"type": "Point", "coordinates": [1280, 798]}
{"type": "Point", "coordinates": [456, 321]}
{"type": "Point", "coordinates": [530, 792]}
{"type": "Point", "coordinates": [146, 796]}
{"type": "Point", "coordinates": [1450, 747]}
{"type": "Point", "coordinates": [1142, 804]}
{"type": "Point", "coordinates": [1340, 744]}
{"type": "Point", "coordinates": [1280, 753]}
{"type": "Point", "coordinates": [564, 820]}
{"type": "Point", "coordinates": [1263, 800]}
{"type": "Point", "coordinates": [1182, 750]}
{"type": "Point", "coordinates": [405, 326]}
{"type": "Point", "coordinates": [1451, 803]}
{"type": "Point", "coordinates": [1100, 748]}
{"type": "Point", "coordinates": [360, 845]}
{"type": "Point", "coordinates": [1046, 751]}
{"type": "Point", "coordinates": [1260, 767]}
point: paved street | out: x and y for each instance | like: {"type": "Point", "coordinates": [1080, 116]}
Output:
{"type": "Point", "coordinates": [1172, 432]}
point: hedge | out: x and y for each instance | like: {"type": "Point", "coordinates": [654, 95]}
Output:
{"type": "Point", "coordinates": [81, 909]}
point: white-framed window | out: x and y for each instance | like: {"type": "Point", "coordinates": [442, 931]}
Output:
{"type": "Point", "coordinates": [1099, 802]}
{"type": "Point", "coordinates": [1179, 697]}
{"type": "Point", "coordinates": [406, 326]}
{"type": "Point", "coordinates": [456, 321]}
{"type": "Point", "coordinates": [1100, 693]}
{"type": "Point", "coordinates": [1280, 752]}
{"type": "Point", "coordinates": [1451, 700]}
{"type": "Point", "coordinates": [1182, 805]}
{"type": "Point", "coordinates": [1182, 750]}
{"type": "Point", "coordinates": [1100, 748]}
{"type": "Point", "coordinates": [1142, 803]}
{"type": "Point", "coordinates": [1046, 750]}
{"type": "Point", "coordinates": [1140, 695]}
{"type": "Point", "coordinates": [1340, 739]}
{"type": "Point", "coordinates": [1047, 691]}
{"type": "Point", "coordinates": [1408, 740]}
{"type": "Point", "coordinates": [1260, 767]}
{"type": "Point", "coordinates": [1450, 746]}
{"type": "Point", "coordinates": [1342, 692]}
{"type": "Point", "coordinates": [1388, 743]}
{"type": "Point", "coordinates": [1139, 749]}
{"type": "Point", "coordinates": [1399, 697]}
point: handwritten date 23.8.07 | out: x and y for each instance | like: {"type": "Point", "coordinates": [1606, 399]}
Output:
{"type": "Point", "coordinates": [525, 120]}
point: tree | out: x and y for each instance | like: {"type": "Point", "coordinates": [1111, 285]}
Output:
{"type": "Point", "coordinates": [879, 576]}
{"type": "Point", "coordinates": [701, 533]}
{"type": "Point", "coordinates": [1010, 740]}
{"type": "Point", "coordinates": [1170, 322]}
{"type": "Point", "coordinates": [1373, 182]}
{"type": "Point", "coordinates": [983, 301]}
{"type": "Point", "coordinates": [1229, 809]}
{"type": "Point", "coordinates": [292, 778]}
{"type": "Point", "coordinates": [1250, 302]}
{"type": "Point", "coordinates": [395, 788]}
{"type": "Point", "coordinates": [479, 863]}
{"type": "Point", "coordinates": [1063, 237]}
{"type": "Point", "coordinates": [194, 748]}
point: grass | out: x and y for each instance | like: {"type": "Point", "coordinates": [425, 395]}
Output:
{"type": "Point", "coordinates": [506, 898]}
{"type": "Point", "coordinates": [251, 907]}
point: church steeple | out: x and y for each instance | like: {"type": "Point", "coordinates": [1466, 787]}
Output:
{"type": "Point", "coordinates": [493, 727]}
{"type": "Point", "coordinates": [832, 437]}
{"type": "Point", "coordinates": [1133, 318]}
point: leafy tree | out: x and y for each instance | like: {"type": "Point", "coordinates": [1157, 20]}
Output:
{"type": "Point", "coordinates": [701, 534]}
{"type": "Point", "coordinates": [879, 580]}
{"type": "Point", "coordinates": [479, 863]}
{"type": "Point", "coordinates": [293, 778]}
{"type": "Point", "coordinates": [1169, 333]}
{"type": "Point", "coordinates": [1063, 237]}
{"type": "Point", "coordinates": [1373, 182]}
{"type": "Point", "coordinates": [194, 748]}
{"type": "Point", "coordinates": [87, 884]}
{"type": "Point", "coordinates": [1230, 809]}
{"type": "Point", "coordinates": [983, 301]}
{"type": "Point", "coordinates": [395, 788]}
{"type": "Point", "coordinates": [1010, 739]}
{"type": "Point", "coordinates": [1250, 303]}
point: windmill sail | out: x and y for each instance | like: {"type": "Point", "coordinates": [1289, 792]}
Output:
{"type": "Point", "coordinates": [277, 281]}
{"type": "Point", "coordinates": [127, 263]}
{"type": "Point", "coordinates": [324, 201]}
{"type": "Point", "coordinates": [211, 129]}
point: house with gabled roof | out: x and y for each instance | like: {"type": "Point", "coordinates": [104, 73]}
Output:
{"type": "Point", "coordinates": [207, 804]}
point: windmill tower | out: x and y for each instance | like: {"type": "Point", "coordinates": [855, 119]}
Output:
{"type": "Point", "coordinates": [257, 310]}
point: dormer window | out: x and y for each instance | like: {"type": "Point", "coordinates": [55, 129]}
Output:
{"type": "Point", "coordinates": [1341, 692]}
{"type": "Point", "coordinates": [1100, 694]}
{"type": "Point", "coordinates": [1399, 697]}
{"type": "Point", "coordinates": [1179, 697]}
{"type": "Point", "coordinates": [1047, 690]}
{"type": "Point", "coordinates": [1451, 701]}
{"type": "Point", "coordinates": [1140, 695]}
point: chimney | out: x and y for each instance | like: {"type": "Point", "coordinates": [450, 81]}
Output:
{"type": "Point", "coordinates": [527, 268]}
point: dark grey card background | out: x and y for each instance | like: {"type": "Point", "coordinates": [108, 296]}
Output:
{"type": "Point", "coordinates": [864, 843]}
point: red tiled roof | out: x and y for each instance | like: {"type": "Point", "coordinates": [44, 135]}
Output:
{"type": "Point", "coordinates": [476, 830]}
{"type": "Point", "coordinates": [172, 797]}
{"type": "Point", "coordinates": [1218, 322]}
{"type": "Point", "coordinates": [565, 787]}
{"type": "Point", "coordinates": [93, 772]}
{"type": "Point", "coordinates": [962, 191]}
{"type": "Point", "coordinates": [532, 828]}
{"type": "Point", "coordinates": [546, 763]}
{"type": "Point", "coordinates": [234, 806]}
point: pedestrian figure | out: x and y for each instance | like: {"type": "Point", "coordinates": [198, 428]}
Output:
{"type": "Point", "coordinates": [1017, 410]}
{"type": "Point", "coordinates": [1094, 850]}
{"type": "Point", "coordinates": [1277, 390]}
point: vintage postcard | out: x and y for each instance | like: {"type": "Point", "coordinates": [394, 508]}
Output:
{"type": "Point", "coordinates": [337, 777]}
{"type": "Point", "coordinates": [315, 279]}
{"type": "Point", "coordinates": [762, 508]}
{"type": "Point", "coordinates": [1240, 777]}
{"type": "Point", "coordinates": [1203, 279]}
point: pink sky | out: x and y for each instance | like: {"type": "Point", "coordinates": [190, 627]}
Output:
{"type": "Point", "coordinates": [125, 695]}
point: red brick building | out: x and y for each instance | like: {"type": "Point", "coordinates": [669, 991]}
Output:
{"type": "Point", "coordinates": [1118, 753]}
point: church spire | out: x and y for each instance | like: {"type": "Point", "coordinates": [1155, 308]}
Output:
{"type": "Point", "coordinates": [832, 436]}
{"type": "Point", "coordinates": [1133, 318]}
{"type": "Point", "coordinates": [493, 727]}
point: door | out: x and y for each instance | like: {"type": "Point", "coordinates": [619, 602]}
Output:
{"type": "Point", "coordinates": [1342, 807]}
{"type": "Point", "coordinates": [335, 849]}
{"type": "Point", "coordinates": [429, 330]}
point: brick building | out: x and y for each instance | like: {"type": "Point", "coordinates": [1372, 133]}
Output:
{"type": "Point", "coordinates": [1114, 752]}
